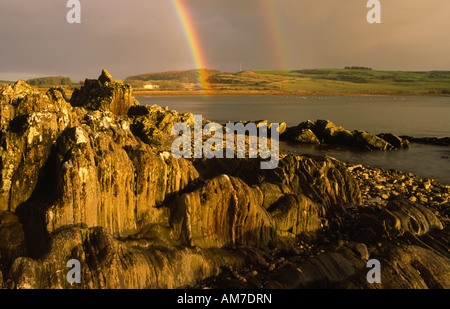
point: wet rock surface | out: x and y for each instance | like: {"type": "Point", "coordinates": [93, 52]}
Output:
{"type": "Point", "coordinates": [92, 179]}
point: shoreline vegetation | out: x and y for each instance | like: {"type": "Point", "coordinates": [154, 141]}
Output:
{"type": "Point", "coordinates": [92, 178]}
{"type": "Point", "coordinates": [184, 93]}
{"type": "Point", "coordinates": [214, 92]}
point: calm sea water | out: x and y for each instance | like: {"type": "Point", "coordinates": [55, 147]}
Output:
{"type": "Point", "coordinates": [413, 116]}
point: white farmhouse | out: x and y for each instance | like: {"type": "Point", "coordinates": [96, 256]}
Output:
{"type": "Point", "coordinates": [151, 87]}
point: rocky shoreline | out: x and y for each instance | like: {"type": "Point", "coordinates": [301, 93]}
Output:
{"type": "Point", "coordinates": [326, 132]}
{"type": "Point", "coordinates": [379, 189]}
{"type": "Point", "coordinates": [444, 141]}
{"type": "Point", "coordinates": [92, 179]}
{"type": "Point", "coordinates": [378, 186]}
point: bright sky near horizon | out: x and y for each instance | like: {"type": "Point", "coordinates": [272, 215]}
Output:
{"type": "Point", "coordinates": [141, 36]}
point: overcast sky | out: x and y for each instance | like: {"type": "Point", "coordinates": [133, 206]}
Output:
{"type": "Point", "coordinates": [130, 37]}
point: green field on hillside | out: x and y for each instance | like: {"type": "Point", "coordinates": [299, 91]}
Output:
{"type": "Point", "coordinates": [352, 80]}
{"type": "Point", "coordinates": [345, 80]}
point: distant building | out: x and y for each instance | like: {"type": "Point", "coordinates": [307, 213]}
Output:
{"type": "Point", "coordinates": [189, 86]}
{"type": "Point", "coordinates": [151, 87]}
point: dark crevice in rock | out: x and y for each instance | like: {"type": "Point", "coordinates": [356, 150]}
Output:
{"type": "Point", "coordinates": [52, 93]}
{"type": "Point", "coordinates": [19, 124]}
{"type": "Point", "coordinates": [32, 212]}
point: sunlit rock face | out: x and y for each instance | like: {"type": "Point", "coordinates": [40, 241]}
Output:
{"type": "Point", "coordinates": [30, 124]}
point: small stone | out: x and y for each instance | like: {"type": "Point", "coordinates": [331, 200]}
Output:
{"type": "Point", "coordinates": [362, 250]}
{"type": "Point", "coordinates": [427, 185]}
{"type": "Point", "coordinates": [413, 199]}
{"type": "Point", "coordinates": [254, 273]}
{"type": "Point", "coordinates": [423, 199]}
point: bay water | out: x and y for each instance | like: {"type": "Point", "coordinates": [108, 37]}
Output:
{"type": "Point", "coordinates": [412, 116]}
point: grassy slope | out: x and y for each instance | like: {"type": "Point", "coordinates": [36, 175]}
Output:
{"type": "Point", "coordinates": [326, 81]}
{"type": "Point", "coordinates": [364, 81]}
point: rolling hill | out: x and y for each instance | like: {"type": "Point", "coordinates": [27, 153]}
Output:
{"type": "Point", "coordinates": [351, 80]}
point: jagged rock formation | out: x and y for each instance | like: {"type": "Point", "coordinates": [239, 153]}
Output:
{"type": "Point", "coordinates": [153, 125]}
{"type": "Point", "coordinates": [104, 94]}
{"type": "Point", "coordinates": [30, 124]}
{"type": "Point", "coordinates": [91, 179]}
{"type": "Point", "coordinates": [326, 132]}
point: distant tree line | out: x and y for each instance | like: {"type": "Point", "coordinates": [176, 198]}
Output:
{"type": "Point", "coordinates": [50, 81]}
{"type": "Point", "coordinates": [357, 68]}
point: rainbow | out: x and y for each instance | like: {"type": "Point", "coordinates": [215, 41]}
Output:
{"type": "Point", "coordinates": [271, 14]}
{"type": "Point", "coordinates": [193, 40]}
{"type": "Point", "coordinates": [272, 17]}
